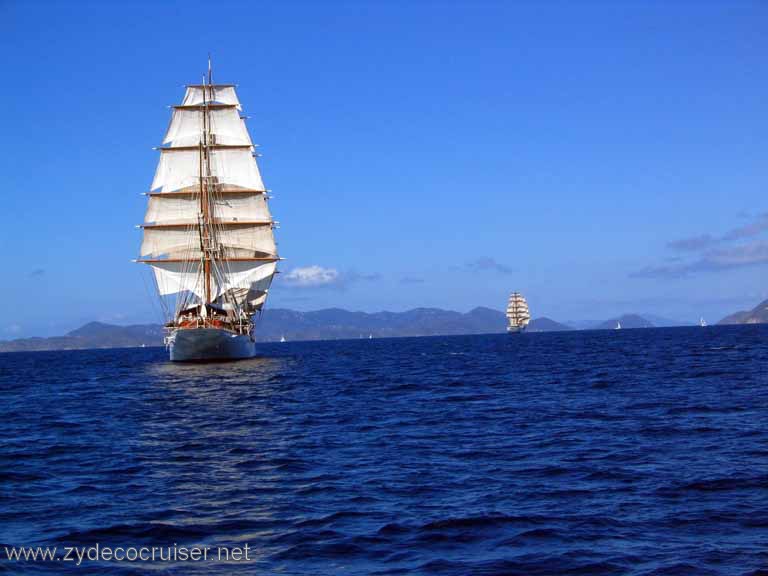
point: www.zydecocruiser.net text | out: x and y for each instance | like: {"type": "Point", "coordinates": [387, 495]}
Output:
{"type": "Point", "coordinates": [99, 553]}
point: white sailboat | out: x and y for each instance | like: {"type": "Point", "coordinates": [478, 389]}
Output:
{"type": "Point", "coordinates": [282, 338]}
{"type": "Point", "coordinates": [208, 230]}
{"type": "Point", "coordinates": [702, 322]}
{"type": "Point", "coordinates": [618, 325]}
{"type": "Point", "coordinates": [518, 315]}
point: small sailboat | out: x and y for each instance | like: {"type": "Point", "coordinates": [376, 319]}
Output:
{"type": "Point", "coordinates": [618, 325]}
{"type": "Point", "coordinates": [518, 314]}
{"type": "Point", "coordinates": [282, 338]}
{"type": "Point", "coordinates": [370, 336]}
{"type": "Point", "coordinates": [702, 322]}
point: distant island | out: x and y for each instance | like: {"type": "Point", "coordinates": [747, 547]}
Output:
{"type": "Point", "coordinates": [337, 324]}
{"type": "Point", "coordinates": [329, 324]}
{"type": "Point", "coordinates": [758, 315]}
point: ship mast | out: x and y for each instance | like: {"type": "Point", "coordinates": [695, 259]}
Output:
{"type": "Point", "coordinates": [205, 182]}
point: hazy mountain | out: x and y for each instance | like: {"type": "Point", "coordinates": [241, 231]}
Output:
{"type": "Point", "coordinates": [336, 323]}
{"type": "Point", "coordinates": [333, 323]}
{"type": "Point", "coordinates": [627, 321]}
{"type": "Point", "coordinates": [583, 324]}
{"type": "Point", "coordinates": [632, 320]}
{"type": "Point", "coordinates": [663, 322]}
{"type": "Point", "coordinates": [758, 315]}
{"type": "Point", "coordinates": [92, 335]}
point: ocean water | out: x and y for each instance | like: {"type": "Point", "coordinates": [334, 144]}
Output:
{"type": "Point", "coordinates": [608, 452]}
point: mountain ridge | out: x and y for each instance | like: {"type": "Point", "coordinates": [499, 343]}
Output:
{"type": "Point", "coordinates": [627, 321]}
{"type": "Point", "coordinates": [757, 315]}
{"type": "Point", "coordinates": [324, 324]}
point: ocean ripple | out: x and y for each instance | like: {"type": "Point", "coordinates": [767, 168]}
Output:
{"type": "Point", "coordinates": [639, 452]}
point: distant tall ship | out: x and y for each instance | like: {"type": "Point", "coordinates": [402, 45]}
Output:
{"type": "Point", "coordinates": [518, 315]}
{"type": "Point", "coordinates": [208, 232]}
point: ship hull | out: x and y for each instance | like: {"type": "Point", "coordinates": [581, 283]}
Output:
{"type": "Point", "coordinates": [209, 344]}
{"type": "Point", "coordinates": [515, 329]}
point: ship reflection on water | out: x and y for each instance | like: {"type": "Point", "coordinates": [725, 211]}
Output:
{"type": "Point", "coordinates": [212, 441]}
{"type": "Point", "coordinates": [259, 370]}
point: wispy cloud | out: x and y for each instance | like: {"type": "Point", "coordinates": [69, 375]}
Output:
{"type": "Point", "coordinates": [750, 230]}
{"type": "Point", "coordinates": [13, 329]}
{"type": "Point", "coordinates": [487, 263]}
{"type": "Point", "coordinates": [714, 252]}
{"type": "Point", "coordinates": [411, 280]}
{"type": "Point", "coordinates": [706, 241]}
{"type": "Point", "coordinates": [693, 244]}
{"type": "Point", "coordinates": [320, 277]}
{"type": "Point", "coordinates": [753, 254]}
{"type": "Point", "coordinates": [113, 317]}
{"type": "Point", "coordinates": [353, 276]}
{"type": "Point", "coordinates": [36, 273]}
{"type": "Point", "coordinates": [295, 298]}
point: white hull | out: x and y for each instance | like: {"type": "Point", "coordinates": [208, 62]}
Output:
{"type": "Point", "coordinates": [202, 344]}
{"type": "Point", "coordinates": [515, 329]}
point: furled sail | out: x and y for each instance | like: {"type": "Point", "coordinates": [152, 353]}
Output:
{"type": "Point", "coordinates": [208, 228]}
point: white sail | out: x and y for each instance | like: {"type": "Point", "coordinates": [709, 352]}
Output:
{"type": "Point", "coordinates": [179, 169]}
{"type": "Point", "coordinates": [235, 278]}
{"type": "Point", "coordinates": [175, 277]}
{"type": "Point", "coordinates": [171, 209]}
{"type": "Point", "coordinates": [171, 242]}
{"type": "Point", "coordinates": [216, 94]}
{"type": "Point", "coordinates": [237, 167]}
{"type": "Point", "coordinates": [250, 299]}
{"type": "Point", "coordinates": [247, 241]}
{"type": "Point", "coordinates": [256, 239]}
{"type": "Point", "coordinates": [187, 125]}
{"type": "Point", "coordinates": [245, 275]}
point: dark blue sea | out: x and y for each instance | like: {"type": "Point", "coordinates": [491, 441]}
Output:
{"type": "Point", "coordinates": [641, 452]}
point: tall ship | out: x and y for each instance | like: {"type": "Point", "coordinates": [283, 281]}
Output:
{"type": "Point", "coordinates": [208, 232]}
{"type": "Point", "coordinates": [518, 315]}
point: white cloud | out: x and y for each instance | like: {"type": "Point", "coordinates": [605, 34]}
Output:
{"type": "Point", "coordinates": [311, 276]}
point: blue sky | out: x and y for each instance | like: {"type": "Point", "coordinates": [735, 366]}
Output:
{"type": "Point", "coordinates": [599, 157]}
